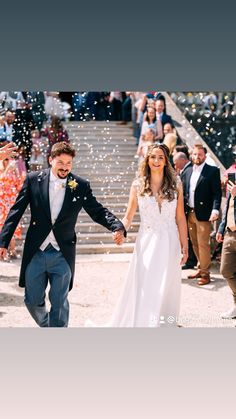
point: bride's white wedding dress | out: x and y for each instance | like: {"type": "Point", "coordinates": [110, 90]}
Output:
{"type": "Point", "coordinates": [151, 292]}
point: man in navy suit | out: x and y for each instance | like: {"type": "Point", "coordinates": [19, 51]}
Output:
{"type": "Point", "coordinates": [202, 196]}
{"type": "Point", "coordinates": [181, 164]}
{"type": "Point", "coordinates": [56, 197]}
{"type": "Point", "coordinates": [227, 234]}
{"type": "Point", "coordinates": [161, 114]}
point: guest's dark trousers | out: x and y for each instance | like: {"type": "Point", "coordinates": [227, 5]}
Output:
{"type": "Point", "coordinates": [48, 266]}
{"type": "Point", "coordinates": [126, 110]}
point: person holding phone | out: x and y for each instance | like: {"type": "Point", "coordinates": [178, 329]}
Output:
{"type": "Point", "coordinates": [230, 172]}
{"type": "Point", "coordinates": [227, 234]}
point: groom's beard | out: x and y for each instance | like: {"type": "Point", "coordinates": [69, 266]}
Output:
{"type": "Point", "coordinates": [62, 174]}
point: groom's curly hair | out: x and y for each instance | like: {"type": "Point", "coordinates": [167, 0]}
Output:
{"type": "Point", "coordinates": [169, 186]}
{"type": "Point", "coordinates": [62, 148]}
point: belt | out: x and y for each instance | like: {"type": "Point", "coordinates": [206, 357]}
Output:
{"type": "Point", "coordinates": [191, 209]}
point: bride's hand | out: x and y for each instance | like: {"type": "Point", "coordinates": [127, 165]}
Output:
{"type": "Point", "coordinates": [184, 257]}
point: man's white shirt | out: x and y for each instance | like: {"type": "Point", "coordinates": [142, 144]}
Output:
{"type": "Point", "coordinates": [57, 189]}
{"type": "Point", "coordinates": [197, 170]}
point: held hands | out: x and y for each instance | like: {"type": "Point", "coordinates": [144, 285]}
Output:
{"type": "Point", "coordinates": [3, 253]}
{"type": "Point", "coordinates": [118, 237]}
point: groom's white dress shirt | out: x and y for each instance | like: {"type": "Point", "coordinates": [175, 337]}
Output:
{"type": "Point", "coordinates": [57, 189]}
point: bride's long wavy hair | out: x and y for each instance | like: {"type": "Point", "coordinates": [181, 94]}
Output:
{"type": "Point", "coordinates": [169, 185]}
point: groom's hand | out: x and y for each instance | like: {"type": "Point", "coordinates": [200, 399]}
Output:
{"type": "Point", "coordinates": [118, 237]}
{"type": "Point", "coordinates": [3, 253]}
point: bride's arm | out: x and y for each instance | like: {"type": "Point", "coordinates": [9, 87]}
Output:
{"type": "Point", "coordinates": [182, 224]}
{"type": "Point", "coordinates": [131, 208]}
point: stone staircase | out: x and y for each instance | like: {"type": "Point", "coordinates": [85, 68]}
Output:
{"type": "Point", "coordinates": [105, 156]}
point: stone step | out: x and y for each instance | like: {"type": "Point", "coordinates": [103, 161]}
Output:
{"type": "Point", "coordinates": [91, 227]}
{"type": "Point", "coordinates": [111, 184]}
{"type": "Point", "coordinates": [100, 142]}
{"type": "Point", "coordinates": [97, 128]}
{"type": "Point", "coordinates": [104, 152]}
{"type": "Point", "coordinates": [101, 136]}
{"type": "Point", "coordinates": [84, 217]}
{"type": "Point", "coordinates": [106, 248]}
{"type": "Point", "coordinates": [96, 249]}
{"type": "Point", "coordinates": [109, 169]}
{"type": "Point", "coordinates": [100, 238]}
{"type": "Point", "coordinates": [107, 176]}
{"type": "Point", "coordinates": [119, 161]}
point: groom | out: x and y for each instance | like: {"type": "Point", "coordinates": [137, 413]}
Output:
{"type": "Point", "coordinates": [56, 197]}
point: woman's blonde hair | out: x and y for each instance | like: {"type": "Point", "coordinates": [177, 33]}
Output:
{"type": "Point", "coordinates": [170, 140]}
{"type": "Point", "coordinates": [169, 185]}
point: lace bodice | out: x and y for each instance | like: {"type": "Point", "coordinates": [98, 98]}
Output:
{"type": "Point", "coordinates": [155, 218]}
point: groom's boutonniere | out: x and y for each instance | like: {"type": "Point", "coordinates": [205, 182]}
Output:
{"type": "Point", "coordinates": [72, 184]}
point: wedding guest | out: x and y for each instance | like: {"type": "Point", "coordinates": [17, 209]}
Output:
{"type": "Point", "coordinates": [203, 197]}
{"type": "Point", "coordinates": [150, 121]}
{"type": "Point", "coordinates": [160, 106]}
{"type": "Point", "coordinates": [227, 235]}
{"type": "Point", "coordinates": [55, 133]}
{"type": "Point", "coordinates": [10, 185]}
{"type": "Point", "coordinates": [9, 120]}
{"type": "Point", "coordinates": [181, 163]}
{"type": "Point", "coordinates": [181, 148]}
{"type": "Point", "coordinates": [38, 159]}
{"type": "Point", "coordinates": [147, 140]}
{"type": "Point", "coordinates": [169, 128]}
{"type": "Point", "coordinates": [126, 109]}
{"type": "Point", "coordinates": [2, 131]}
{"type": "Point", "coordinates": [170, 141]}
{"type": "Point", "coordinates": [36, 100]}
{"type": "Point", "coordinates": [116, 100]}
{"type": "Point", "coordinates": [22, 126]}
{"type": "Point", "coordinates": [231, 169]}
{"type": "Point", "coordinates": [6, 124]}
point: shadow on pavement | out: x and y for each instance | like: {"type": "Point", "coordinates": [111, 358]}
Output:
{"type": "Point", "coordinates": [215, 285]}
{"type": "Point", "coordinates": [7, 300]}
{"type": "Point", "coordinates": [9, 278]}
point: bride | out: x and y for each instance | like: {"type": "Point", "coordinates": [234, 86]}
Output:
{"type": "Point", "coordinates": [151, 292]}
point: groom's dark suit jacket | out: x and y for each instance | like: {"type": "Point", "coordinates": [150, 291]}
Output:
{"type": "Point", "coordinates": [207, 194]}
{"type": "Point", "coordinates": [35, 192]}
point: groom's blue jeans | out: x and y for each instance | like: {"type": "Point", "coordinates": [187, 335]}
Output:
{"type": "Point", "coordinates": [48, 265]}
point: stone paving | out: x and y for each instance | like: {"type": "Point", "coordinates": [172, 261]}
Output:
{"type": "Point", "coordinates": [98, 281]}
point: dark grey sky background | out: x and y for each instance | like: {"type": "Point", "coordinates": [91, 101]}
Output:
{"type": "Point", "coordinates": [184, 45]}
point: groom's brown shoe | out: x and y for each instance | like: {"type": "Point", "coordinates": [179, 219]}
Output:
{"type": "Point", "coordinates": [194, 276]}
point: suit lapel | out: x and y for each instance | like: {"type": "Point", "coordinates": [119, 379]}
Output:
{"type": "Point", "coordinates": [188, 174]}
{"type": "Point", "coordinates": [202, 175]}
{"type": "Point", "coordinates": [43, 181]}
